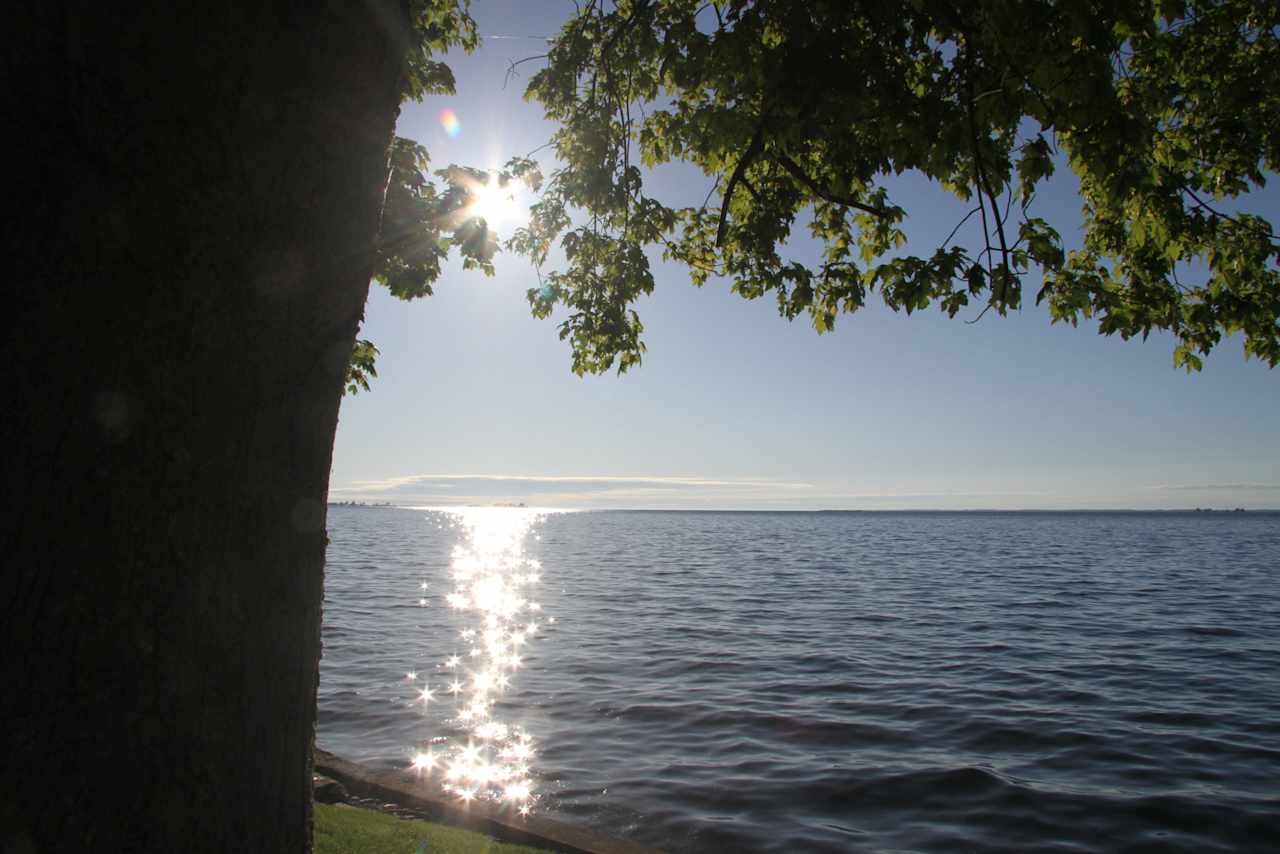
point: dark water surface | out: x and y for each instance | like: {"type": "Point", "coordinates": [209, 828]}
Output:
{"type": "Point", "coordinates": [838, 682]}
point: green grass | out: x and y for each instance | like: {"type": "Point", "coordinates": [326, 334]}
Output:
{"type": "Point", "coordinates": [350, 830]}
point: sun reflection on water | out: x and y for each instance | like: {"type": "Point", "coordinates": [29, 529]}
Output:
{"type": "Point", "coordinates": [494, 584]}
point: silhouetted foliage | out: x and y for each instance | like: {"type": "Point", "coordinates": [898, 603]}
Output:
{"type": "Point", "coordinates": [801, 110]}
{"type": "Point", "coordinates": [422, 220]}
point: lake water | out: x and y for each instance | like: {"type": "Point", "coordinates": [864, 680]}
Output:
{"type": "Point", "coordinates": [822, 682]}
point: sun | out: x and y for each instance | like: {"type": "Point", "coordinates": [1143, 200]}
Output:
{"type": "Point", "coordinates": [495, 203]}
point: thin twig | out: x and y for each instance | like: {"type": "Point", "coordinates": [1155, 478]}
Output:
{"type": "Point", "coordinates": [957, 228]}
{"type": "Point", "coordinates": [511, 66]}
{"type": "Point", "coordinates": [980, 314]}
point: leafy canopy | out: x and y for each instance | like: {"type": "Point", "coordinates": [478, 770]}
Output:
{"type": "Point", "coordinates": [800, 111]}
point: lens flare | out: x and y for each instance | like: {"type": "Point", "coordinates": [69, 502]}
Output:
{"type": "Point", "coordinates": [449, 121]}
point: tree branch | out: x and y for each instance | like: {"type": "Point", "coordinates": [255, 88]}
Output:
{"type": "Point", "coordinates": [985, 185]}
{"type": "Point", "coordinates": [826, 195]}
{"type": "Point", "coordinates": [750, 154]}
{"type": "Point", "coordinates": [1204, 206]}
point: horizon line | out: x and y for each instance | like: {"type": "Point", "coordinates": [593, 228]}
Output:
{"type": "Point", "coordinates": [511, 506]}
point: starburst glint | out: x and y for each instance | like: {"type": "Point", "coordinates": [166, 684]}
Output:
{"type": "Point", "coordinates": [492, 582]}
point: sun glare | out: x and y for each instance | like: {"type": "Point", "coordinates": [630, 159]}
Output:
{"type": "Point", "coordinates": [495, 203]}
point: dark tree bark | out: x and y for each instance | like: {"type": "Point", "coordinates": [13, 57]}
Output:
{"type": "Point", "coordinates": [187, 242]}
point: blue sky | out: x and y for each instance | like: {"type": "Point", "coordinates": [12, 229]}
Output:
{"type": "Point", "coordinates": [734, 407]}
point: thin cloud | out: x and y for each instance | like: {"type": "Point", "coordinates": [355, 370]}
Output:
{"type": "Point", "coordinates": [587, 483]}
{"type": "Point", "coordinates": [939, 494]}
{"type": "Point", "coordinates": [664, 491]}
{"type": "Point", "coordinates": [1216, 487]}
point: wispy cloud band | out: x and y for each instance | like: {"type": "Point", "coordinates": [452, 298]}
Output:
{"type": "Point", "coordinates": [657, 491]}
{"type": "Point", "coordinates": [1239, 486]}
{"type": "Point", "coordinates": [450, 481]}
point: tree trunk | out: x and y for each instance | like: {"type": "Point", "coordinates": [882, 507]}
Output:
{"type": "Point", "coordinates": [188, 237]}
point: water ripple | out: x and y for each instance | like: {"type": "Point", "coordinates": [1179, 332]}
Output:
{"type": "Point", "coordinates": [851, 682]}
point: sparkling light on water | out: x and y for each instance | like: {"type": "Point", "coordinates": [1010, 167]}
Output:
{"type": "Point", "coordinates": [493, 586]}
